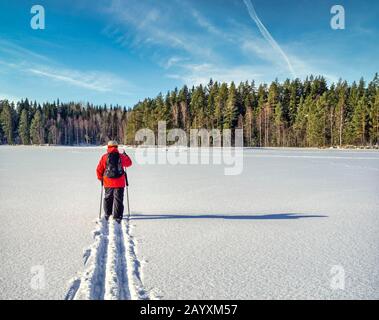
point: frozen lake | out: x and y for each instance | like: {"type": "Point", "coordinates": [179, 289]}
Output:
{"type": "Point", "coordinates": [297, 223]}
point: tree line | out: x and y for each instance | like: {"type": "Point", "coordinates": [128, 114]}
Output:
{"type": "Point", "coordinates": [293, 113]}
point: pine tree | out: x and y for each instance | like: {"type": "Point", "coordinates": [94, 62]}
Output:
{"type": "Point", "coordinates": [293, 101]}
{"type": "Point", "coordinates": [231, 109]}
{"type": "Point", "coordinates": [359, 121]}
{"type": "Point", "coordinates": [130, 129]}
{"type": "Point", "coordinates": [36, 129]}
{"type": "Point", "coordinates": [374, 120]}
{"type": "Point", "coordinates": [292, 113]}
{"type": "Point", "coordinates": [163, 110]}
{"type": "Point", "coordinates": [248, 121]}
{"type": "Point", "coordinates": [211, 105]}
{"type": "Point", "coordinates": [197, 107]}
{"type": "Point", "coordinates": [316, 121]}
{"type": "Point", "coordinates": [261, 96]}
{"type": "Point", "coordinates": [174, 105]}
{"type": "Point", "coordinates": [220, 106]}
{"type": "Point", "coordinates": [23, 128]}
{"type": "Point", "coordinates": [7, 123]}
{"type": "Point", "coordinates": [269, 109]}
{"type": "Point", "coordinates": [184, 102]}
{"type": "Point", "coordinates": [340, 112]}
{"type": "Point", "coordinates": [278, 116]}
{"type": "Point", "coordinates": [300, 125]}
{"type": "Point", "coordinates": [373, 86]}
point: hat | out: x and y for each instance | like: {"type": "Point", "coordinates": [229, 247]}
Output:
{"type": "Point", "coordinates": [112, 143]}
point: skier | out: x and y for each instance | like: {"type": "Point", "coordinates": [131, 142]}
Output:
{"type": "Point", "coordinates": [110, 171]}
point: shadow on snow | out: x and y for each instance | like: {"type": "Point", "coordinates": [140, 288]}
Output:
{"type": "Point", "coordinates": [273, 216]}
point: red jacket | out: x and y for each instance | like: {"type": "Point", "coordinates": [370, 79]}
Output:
{"type": "Point", "coordinates": [112, 182]}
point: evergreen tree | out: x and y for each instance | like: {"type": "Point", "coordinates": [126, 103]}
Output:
{"type": "Point", "coordinates": [7, 122]}
{"type": "Point", "coordinates": [371, 91]}
{"type": "Point", "coordinates": [359, 121]}
{"type": "Point", "coordinates": [340, 112]}
{"type": "Point", "coordinates": [23, 128]}
{"type": "Point", "coordinates": [163, 110]}
{"type": "Point", "coordinates": [292, 113]}
{"type": "Point", "coordinates": [269, 109]}
{"type": "Point", "coordinates": [184, 102]}
{"type": "Point", "coordinates": [293, 101]}
{"type": "Point", "coordinates": [197, 106]}
{"type": "Point", "coordinates": [231, 109]}
{"type": "Point", "coordinates": [316, 121]}
{"type": "Point", "coordinates": [261, 96]}
{"type": "Point", "coordinates": [248, 120]}
{"type": "Point", "coordinates": [211, 105]}
{"type": "Point", "coordinates": [173, 105]}
{"type": "Point", "coordinates": [278, 115]}
{"type": "Point", "coordinates": [220, 106]}
{"type": "Point", "coordinates": [351, 104]}
{"type": "Point", "coordinates": [300, 125]}
{"type": "Point", "coordinates": [374, 120]}
{"type": "Point", "coordinates": [36, 129]}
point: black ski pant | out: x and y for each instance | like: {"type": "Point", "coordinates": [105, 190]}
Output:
{"type": "Point", "coordinates": [114, 202]}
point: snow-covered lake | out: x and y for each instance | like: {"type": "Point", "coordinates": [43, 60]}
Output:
{"type": "Point", "coordinates": [295, 224]}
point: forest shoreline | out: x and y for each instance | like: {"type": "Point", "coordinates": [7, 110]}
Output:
{"type": "Point", "coordinates": [337, 148]}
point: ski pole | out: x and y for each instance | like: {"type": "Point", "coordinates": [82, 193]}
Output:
{"type": "Point", "coordinates": [101, 198]}
{"type": "Point", "coordinates": [127, 192]}
{"type": "Point", "coordinates": [127, 198]}
{"type": "Point", "coordinates": [127, 188]}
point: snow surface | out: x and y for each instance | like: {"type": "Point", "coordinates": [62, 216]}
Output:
{"type": "Point", "coordinates": [113, 270]}
{"type": "Point", "coordinates": [275, 231]}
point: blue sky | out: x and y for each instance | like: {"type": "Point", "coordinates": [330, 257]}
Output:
{"type": "Point", "coordinates": [121, 51]}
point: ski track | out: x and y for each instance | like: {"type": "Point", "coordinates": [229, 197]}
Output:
{"type": "Point", "coordinates": [113, 271]}
{"type": "Point", "coordinates": [137, 290]}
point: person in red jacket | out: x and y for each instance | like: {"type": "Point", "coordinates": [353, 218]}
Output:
{"type": "Point", "coordinates": [110, 171]}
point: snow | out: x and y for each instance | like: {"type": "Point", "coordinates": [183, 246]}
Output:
{"type": "Point", "coordinates": [112, 268]}
{"type": "Point", "coordinates": [281, 229]}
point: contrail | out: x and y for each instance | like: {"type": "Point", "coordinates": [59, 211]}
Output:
{"type": "Point", "coordinates": [267, 35]}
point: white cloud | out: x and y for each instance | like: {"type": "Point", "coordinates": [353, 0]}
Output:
{"type": "Point", "coordinates": [14, 50]}
{"type": "Point", "coordinates": [92, 80]}
{"type": "Point", "coordinates": [173, 61]}
{"type": "Point", "coordinates": [195, 74]}
{"type": "Point", "coordinates": [142, 25]}
{"type": "Point", "coordinates": [255, 47]}
{"type": "Point", "coordinates": [206, 24]}
{"type": "Point", "coordinates": [192, 50]}
{"type": "Point", "coordinates": [32, 63]}
{"type": "Point", "coordinates": [266, 34]}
